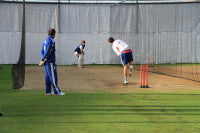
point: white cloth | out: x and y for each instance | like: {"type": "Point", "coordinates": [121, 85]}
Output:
{"type": "Point", "coordinates": [81, 49]}
{"type": "Point", "coordinates": [119, 46]}
{"type": "Point", "coordinates": [81, 46]}
{"type": "Point", "coordinates": [81, 59]}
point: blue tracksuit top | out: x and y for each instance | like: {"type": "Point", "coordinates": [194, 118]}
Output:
{"type": "Point", "coordinates": [48, 50]}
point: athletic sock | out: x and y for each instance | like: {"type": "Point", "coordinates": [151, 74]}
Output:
{"type": "Point", "coordinates": [131, 69]}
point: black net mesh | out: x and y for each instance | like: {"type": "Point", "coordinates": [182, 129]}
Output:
{"type": "Point", "coordinates": [18, 74]}
{"type": "Point", "coordinates": [18, 70]}
{"type": "Point", "coordinates": [186, 71]}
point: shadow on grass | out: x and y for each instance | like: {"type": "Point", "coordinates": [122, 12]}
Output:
{"type": "Point", "coordinates": [82, 114]}
{"type": "Point", "coordinates": [109, 110]}
{"type": "Point", "coordinates": [113, 106]}
{"type": "Point", "coordinates": [112, 109]}
{"type": "Point", "coordinates": [158, 94]}
{"type": "Point", "coordinates": [123, 122]}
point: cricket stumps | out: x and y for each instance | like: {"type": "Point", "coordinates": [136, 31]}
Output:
{"type": "Point", "coordinates": [144, 73]}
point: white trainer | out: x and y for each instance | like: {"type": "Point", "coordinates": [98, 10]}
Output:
{"type": "Point", "coordinates": [125, 81]}
{"type": "Point", "coordinates": [47, 94]}
{"type": "Point", "coordinates": [50, 93]}
{"type": "Point", "coordinates": [61, 94]}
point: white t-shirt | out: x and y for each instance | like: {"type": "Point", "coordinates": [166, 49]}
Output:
{"type": "Point", "coordinates": [119, 46]}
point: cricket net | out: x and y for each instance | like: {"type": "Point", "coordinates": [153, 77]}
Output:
{"type": "Point", "coordinates": [166, 36]}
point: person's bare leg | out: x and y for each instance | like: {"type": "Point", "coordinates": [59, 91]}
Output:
{"type": "Point", "coordinates": [130, 68]}
{"type": "Point", "coordinates": [125, 74]}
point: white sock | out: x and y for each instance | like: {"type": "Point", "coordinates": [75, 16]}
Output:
{"type": "Point", "coordinates": [131, 69]}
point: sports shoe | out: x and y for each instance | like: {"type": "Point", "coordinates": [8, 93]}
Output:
{"type": "Point", "coordinates": [61, 93]}
{"type": "Point", "coordinates": [47, 94]}
{"type": "Point", "coordinates": [79, 66]}
{"type": "Point", "coordinates": [125, 81]}
{"type": "Point", "coordinates": [50, 93]}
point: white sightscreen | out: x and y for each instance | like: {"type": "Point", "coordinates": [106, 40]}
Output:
{"type": "Point", "coordinates": [10, 32]}
{"type": "Point", "coordinates": [169, 32]}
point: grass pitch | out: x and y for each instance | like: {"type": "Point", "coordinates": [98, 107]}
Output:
{"type": "Point", "coordinates": [29, 111]}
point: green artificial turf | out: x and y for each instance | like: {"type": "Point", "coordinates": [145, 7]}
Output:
{"type": "Point", "coordinates": [5, 77]}
{"type": "Point", "coordinates": [30, 111]}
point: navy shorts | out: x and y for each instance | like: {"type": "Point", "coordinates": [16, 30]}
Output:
{"type": "Point", "coordinates": [126, 56]}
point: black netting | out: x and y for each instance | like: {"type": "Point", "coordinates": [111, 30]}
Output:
{"type": "Point", "coordinates": [18, 74]}
{"type": "Point", "coordinates": [18, 70]}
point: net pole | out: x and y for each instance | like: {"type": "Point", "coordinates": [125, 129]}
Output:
{"type": "Point", "coordinates": [58, 17]}
{"type": "Point", "coordinates": [146, 75]}
{"type": "Point", "coordinates": [141, 76]}
{"type": "Point", "coordinates": [18, 70]}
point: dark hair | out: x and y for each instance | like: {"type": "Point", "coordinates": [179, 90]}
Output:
{"type": "Point", "coordinates": [111, 40]}
{"type": "Point", "coordinates": [51, 32]}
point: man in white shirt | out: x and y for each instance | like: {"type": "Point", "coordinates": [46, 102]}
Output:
{"type": "Point", "coordinates": [121, 49]}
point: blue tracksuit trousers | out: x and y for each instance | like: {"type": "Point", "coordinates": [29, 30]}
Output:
{"type": "Point", "coordinates": [51, 79]}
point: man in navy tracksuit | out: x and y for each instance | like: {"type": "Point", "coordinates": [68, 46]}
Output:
{"type": "Point", "coordinates": [49, 59]}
